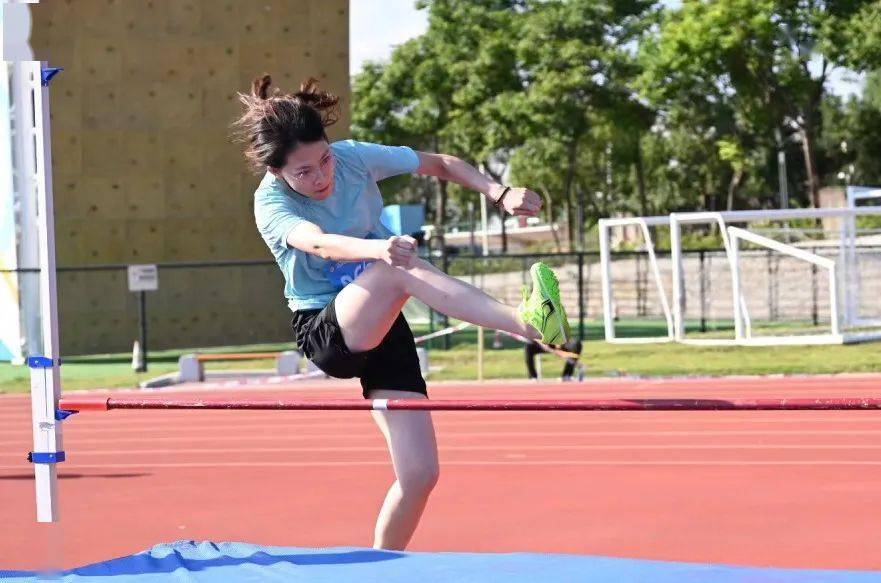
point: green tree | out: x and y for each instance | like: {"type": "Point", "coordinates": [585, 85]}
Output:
{"type": "Point", "coordinates": [576, 68]}
{"type": "Point", "coordinates": [407, 101]}
{"type": "Point", "coordinates": [477, 41]}
{"type": "Point", "coordinates": [438, 91]}
{"type": "Point", "coordinates": [872, 91]}
{"type": "Point", "coordinates": [852, 141]}
{"type": "Point", "coordinates": [769, 61]}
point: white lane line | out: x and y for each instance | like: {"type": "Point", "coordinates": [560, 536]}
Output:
{"type": "Point", "coordinates": [470, 463]}
{"type": "Point", "coordinates": [73, 441]}
{"type": "Point", "coordinates": [183, 428]}
{"type": "Point", "coordinates": [84, 427]}
{"type": "Point", "coordinates": [501, 448]}
{"type": "Point", "coordinates": [515, 434]}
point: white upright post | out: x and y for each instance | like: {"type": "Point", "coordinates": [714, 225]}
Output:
{"type": "Point", "coordinates": [851, 272]}
{"type": "Point", "coordinates": [678, 281]}
{"type": "Point", "coordinates": [10, 294]}
{"type": "Point", "coordinates": [734, 254]}
{"type": "Point", "coordinates": [606, 277]}
{"type": "Point", "coordinates": [27, 244]}
{"type": "Point", "coordinates": [842, 273]}
{"type": "Point", "coordinates": [656, 271]}
{"type": "Point", "coordinates": [45, 372]}
{"type": "Point", "coordinates": [484, 226]}
{"type": "Point", "coordinates": [835, 322]}
{"type": "Point", "coordinates": [480, 341]}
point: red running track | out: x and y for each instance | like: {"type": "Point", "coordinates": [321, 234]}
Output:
{"type": "Point", "coordinates": [781, 488]}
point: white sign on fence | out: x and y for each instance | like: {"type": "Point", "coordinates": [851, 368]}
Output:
{"type": "Point", "coordinates": [143, 278]}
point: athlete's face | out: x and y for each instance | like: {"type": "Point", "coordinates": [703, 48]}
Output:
{"type": "Point", "coordinates": [309, 170]}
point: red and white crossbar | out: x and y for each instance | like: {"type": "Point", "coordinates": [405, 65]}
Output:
{"type": "Point", "coordinates": [105, 404]}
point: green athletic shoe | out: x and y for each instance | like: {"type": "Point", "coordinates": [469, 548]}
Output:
{"type": "Point", "coordinates": [542, 308]}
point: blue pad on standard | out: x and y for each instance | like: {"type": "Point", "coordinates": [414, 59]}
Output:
{"type": "Point", "coordinates": [239, 562]}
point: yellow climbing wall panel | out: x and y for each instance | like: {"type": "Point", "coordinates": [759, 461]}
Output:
{"type": "Point", "coordinates": [144, 170]}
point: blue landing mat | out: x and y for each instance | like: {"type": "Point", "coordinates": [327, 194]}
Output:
{"type": "Point", "coordinates": [185, 561]}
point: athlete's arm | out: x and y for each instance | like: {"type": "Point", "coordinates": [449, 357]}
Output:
{"type": "Point", "coordinates": [308, 237]}
{"type": "Point", "coordinates": [516, 201]}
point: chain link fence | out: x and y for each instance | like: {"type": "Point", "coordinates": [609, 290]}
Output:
{"type": "Point", "coordinates": [240, 302]}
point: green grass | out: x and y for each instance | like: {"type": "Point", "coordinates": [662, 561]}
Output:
{"type": "Point", "coordinates": [115, 370]}
{"type": "Point", "coordinates": [460, 361]}
{"type": "Point", "coordinates": [667, 359]}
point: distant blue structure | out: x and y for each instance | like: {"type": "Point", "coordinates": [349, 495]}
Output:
{"type": "Point", "coordinates": [404, 219]}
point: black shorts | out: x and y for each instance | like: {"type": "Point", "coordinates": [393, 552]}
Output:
{"type": "Point", "coordinates": [392, 365]}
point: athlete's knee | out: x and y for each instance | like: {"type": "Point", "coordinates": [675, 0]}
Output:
{"type": "Point", "coordinates": [402, 278]}
{"type": "Point", "coordinates": [418, 265]}
{"type": "Point", "coordinates": [387, 269]}
{"type": "Point", "coordinates": [420, 479]}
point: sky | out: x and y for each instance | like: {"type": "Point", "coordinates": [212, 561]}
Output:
{"type": "Point", "coordinates": [373, 34]}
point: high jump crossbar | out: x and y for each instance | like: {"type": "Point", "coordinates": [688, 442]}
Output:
{"type": "Point", "coordinates": [767, 404]}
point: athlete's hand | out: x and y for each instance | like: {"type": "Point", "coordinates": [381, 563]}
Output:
{"type": "Point", "coordinates": [519, 201]}
{"type": "Point", "coordinates": [399, 251]}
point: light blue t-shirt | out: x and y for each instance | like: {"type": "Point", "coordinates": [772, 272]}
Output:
{"type": "Point", "coordinates": [353, 210]}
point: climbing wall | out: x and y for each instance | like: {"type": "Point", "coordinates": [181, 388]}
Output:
{"type": "Point", "coordinates": [144, 170]}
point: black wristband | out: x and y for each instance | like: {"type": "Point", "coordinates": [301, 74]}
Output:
{"type": "Point", "coordinates": [498, 202]}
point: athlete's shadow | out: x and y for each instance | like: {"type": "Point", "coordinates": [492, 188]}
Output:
{"type": "Point", "coordinates": [77, 476]}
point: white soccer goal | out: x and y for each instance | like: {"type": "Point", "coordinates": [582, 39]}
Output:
{"type": "Point", "coordinates": [743, 328]}
{"type": "Point", "coordinates": [839, 307]}
{"type": "Point", "coordinates": [862, 307]}
{"type": "Point", "coordinates": [643, 223]}
{"type": "Point", "coordinates": [677, 220]}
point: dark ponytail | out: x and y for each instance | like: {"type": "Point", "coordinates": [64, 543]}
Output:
{"type": "Point", "coordinates": [274, 124]}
